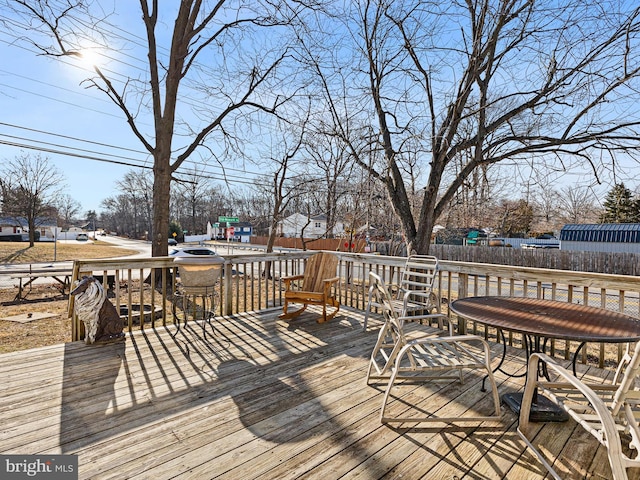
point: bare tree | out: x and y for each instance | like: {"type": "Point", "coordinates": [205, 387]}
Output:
{"type": "Point", "coordinates": [282, 189]}
{"type": "Point", "coordinates": [491, 82]}
{"type": "Point", "coordinates": [91, 217]}
{"type": "Point", "coordinates": [579, 205]}
{"type": "Point", "coordinates": [116, 215]}
{"type": "Point", "coordinates": [329, 157]}
{"type": "Point", "coordinates": [136, 188]}
{"type": "Point", "coordinates": [191, 200]}
{"type": "Point", "coordinates": [30, 188]}
{"type": "Point", "coordinates": [68, 209]}
{"type": "Point", "coordinates": [238, 80]}
{"type": "Point", "coordinates": [517, 216]}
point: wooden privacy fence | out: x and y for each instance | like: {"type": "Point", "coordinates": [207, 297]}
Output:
{"type": "Point", "coordinates": [332, 244]}
{"type": "Point", "coordinates": [252, 282]}
{"type": "Point", "coordinates": [600, 262]}
{"type": "Point", "coordinates": [597, 262]}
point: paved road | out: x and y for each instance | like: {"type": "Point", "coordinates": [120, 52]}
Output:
{"type": "Point", "coordinates": [143, 247]}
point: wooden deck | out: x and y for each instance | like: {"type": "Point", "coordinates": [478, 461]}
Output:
{"type": "Point", "coordinates": [259, 399]}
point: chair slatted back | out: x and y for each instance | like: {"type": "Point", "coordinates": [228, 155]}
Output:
{"type": "Point", "coordinates": [419, 273]}
{"type": "Point", "coordinates": [319, 267]}
{"type": "Point", "coordinates": [428, 357]}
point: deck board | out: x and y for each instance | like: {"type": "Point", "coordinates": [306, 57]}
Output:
{"type": "Point", "coordinates": [259, 398]}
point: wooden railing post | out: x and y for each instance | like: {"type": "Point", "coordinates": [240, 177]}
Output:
{"type": "Point", "coordinates": [463, 291]}
{"type": "Point", "coordinates": [227, 289]}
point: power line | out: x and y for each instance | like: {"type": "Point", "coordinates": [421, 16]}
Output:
{"type": "Point", "coordinates": [123, 79]}
{"type": "Point", "coordinates": [87, 156]}
{"type": "Point", "coordinates": [51, 85]}
{"type": "Point", "coordinates": [19, 42]}
{"type": "Point", "coordinates": [102, 144]}
{"type": "Point", "coordinates": [60, 101]}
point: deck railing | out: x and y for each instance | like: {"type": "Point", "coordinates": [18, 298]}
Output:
{"type": "Point", "coordinates": [252, 282]}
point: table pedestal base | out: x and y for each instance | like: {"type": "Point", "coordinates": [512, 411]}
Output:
{"type": "Point", "coordinates": [542, 410]}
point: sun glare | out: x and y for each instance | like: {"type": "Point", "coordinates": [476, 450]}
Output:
{"type": "Point", "coordinates": [90, 58]}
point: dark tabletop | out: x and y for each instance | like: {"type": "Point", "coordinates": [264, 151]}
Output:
{"type": "Point", "coordinates": [550, 318]}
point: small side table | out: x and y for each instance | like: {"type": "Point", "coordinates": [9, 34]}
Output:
{"type": "Point", "coordinates": [198, 303]}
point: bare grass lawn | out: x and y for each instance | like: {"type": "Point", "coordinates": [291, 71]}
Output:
{"type": "Point", "coordinates": [21, 252]}
{"type": "Point", "coordinates": [42, 298]}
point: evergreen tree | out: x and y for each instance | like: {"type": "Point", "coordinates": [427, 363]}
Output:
{"type": "Point", "coordinates": [619, 206]}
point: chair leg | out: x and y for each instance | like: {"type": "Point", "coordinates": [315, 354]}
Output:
{"type": "Point", "coordinates": [406, 351]}
{"type": "Point", "coordinates": [366, 318]}
{"type": "Point", "coordinates": [286, 314]}
{"type": "Point", "coordinates": [333, 303]}
{"type": "Point", "coordinates": [369, 372]}
{"type": "Point", "coordinates": [367, 310]}
{"type": "Point", "coordinates": [387, 391]}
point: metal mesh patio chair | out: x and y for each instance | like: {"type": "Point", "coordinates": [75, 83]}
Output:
{"type": "Point", "coordinates": [428, 358]}
{"type": "Point", "coordinates": [609, 412]}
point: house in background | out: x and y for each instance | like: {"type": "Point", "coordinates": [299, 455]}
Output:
{"type": "Point", "coordinates": [12, 231]}
{"type": "Point", "coordinates": [314, 226]}
{"type": "Point", "coordinates": [48, 229]}
{"type": "Point", "coordinates": [17, 229]}
{"type": "Point", "coordinates": [242, 231]}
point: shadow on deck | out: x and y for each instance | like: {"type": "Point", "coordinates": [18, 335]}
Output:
{"type": "Point", "coordinates": [256, 397]}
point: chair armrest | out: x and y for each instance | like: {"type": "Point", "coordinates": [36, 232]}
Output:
{"type": "Point", "coordinates": [292, 277]}
{"type": "Point", "coordinates": [287, 280]}
{"type": "Point", "coordinates": [421, 294]}
{"type": "Point", "coordinates": [430, 316]}
{"type": "Point", "coordinates": [601, 410]}
{"type": "Point", "coordinates": [416, 293]}
{"type": "Point", "coordinates": [331, 280]}
{"type": "Point", "coordinates": [327, 285]}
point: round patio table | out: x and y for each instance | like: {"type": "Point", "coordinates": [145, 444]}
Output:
{"type": "Point", "coordinates": [550, 318]}
{"type": "Point", "coordinates": [539, 319]}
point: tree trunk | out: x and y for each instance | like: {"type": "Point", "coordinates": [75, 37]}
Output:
{"type": "Point", "coordinates": [428, 210]}
{"type": "Point", "coordinates": [32, 231]}
{"type": "Point", "coordinates": [161, 196]}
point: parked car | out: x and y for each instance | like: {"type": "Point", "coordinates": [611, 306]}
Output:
{"type": "Point", "coordinates": [534, 245]}
{"type": "Point", "coordinates": [191, 251]}
{"type": "Point", "coordinates": [82, 237]}
{"type": "Point", "coordinates": [173, 242]}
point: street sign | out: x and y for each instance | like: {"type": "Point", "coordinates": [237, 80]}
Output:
{"type": "Point", "coordinates": [229, 219]}
{"type": "Point", "coordinates": [230, 232]}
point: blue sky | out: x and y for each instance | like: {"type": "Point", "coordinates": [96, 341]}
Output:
{"type": "Point", "coordinates": [44, 104]}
